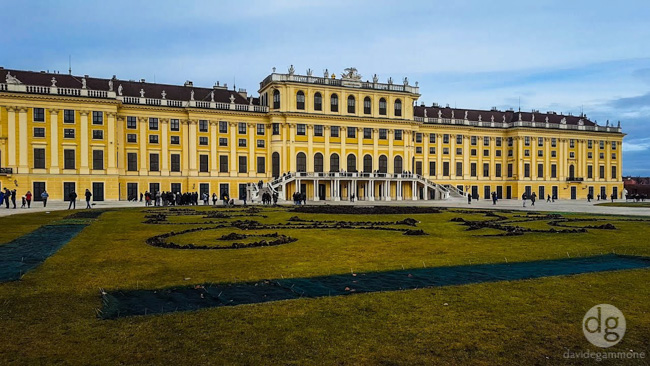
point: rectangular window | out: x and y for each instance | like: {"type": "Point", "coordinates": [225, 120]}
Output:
{"type": "Point", "coordinates": [590, 144]}
{"type": "Point", "coordinates": [459, 151]}
{"type": "Point", "coordinates": [473, 141]}
{"type": "Point", "coordinates": [39, 158]}
{"type": "Point", "coordinates": [540, 141]}
{"type": "Point", "coordinates": [445, 151]}
{"type": "Point", "coordinates": [39, 114]}
{"type": "Point", "coordinates": [459, 169]}
{"type": "Point", "coordinates": [242, 142]}
{"type": "Point", "coordinates": [398, 135]}
{"type": "Point", "coordinates": [510, 152]}
{"type": "Point", "coordinates": [175, 162]}
{"type": "Point", "coordinates": [590, 155]}
{"type": "Point", "coordinates": [486, 152]}
{"type": "Point", "coordinates": [497, 153]}
{"type": "Point", "coordinates": [243, 164]}
{"type": "Point", "coordinates": [614, 170]}
{"type": "Point", "coordinates": [68, 116]}
{"type": "Point", "coordinates": [39, 132]}
{"type": "Point", "coordinates": [276, 129]}
{"type": "Point", "coordinates": [203, 125]}
{"type": "Point", "coordinates": [540, 153]}
{"type": "Point", "coordinates": [174, 125]}
{"type": "Point", "coordinates": [486, 141]}
{"type": "Point", "coordinates": [223, 127]}
{"type": "Point", "coordinates": [526, 152]}
{"type": "Point", "coordinates": [445, 138]}
{"type": "Point", "coordinates": [445, 168]}
{"type": "Point", "coordinates": [472, 169]}
{"type": "Point", "coordinates": [223, 163]}
{"type": "Point", "coordinates": [132, 191]}
{"type": "Point", "coordinates": [367, 133]}
{"type": "Point", "coordinates": [383, 134]}
{"type": "Point", "coordinates": [526, 170]}
{"type": "Point", "coordinates": [154, 160]}
{"type": "Point", "coordinates": [613, 145]}
{"type": "Point", "coordinates": [260, 129]}
{"type": "Point", "coordinates": [175, 140]}
{"type": "Point", "coordinates": [432, 138]}
{"type": "Point", "coordinates": [527, 141]}
{"type": "Point", "coordinates": [223, 141]}
{"type": "Point", "coordinates": [510, 141]}
{"type": "Point", "coordinates": [472, 152]}
{"type": "Point", "coordinates": [334, 131]}
{"type": "Point", "coordinates": [498, 142]}
{"type": "Point", "coordinates": [261, 165]}
{"type": "Point", "coordinates": [613, 156]}
{"type": "Point", "coordinates": [241, 128]}
{"type": "Point", "coordinates": [260, 143]}
{"type": "Point", "coordinates": [432, 168]}
{"type": "Point", "coordinates": [486, 169]}
{"type": "Point", "coordinates": [418, 149]}
{"type": "Point", "coordinates": [132, 162]}
{"type": "Point", "coordinates": [153, 124]}
{"type": "Point", "coordinates": [459, 139]}
{"type": "Point", "coordinates": [69, 159]}
{"type": "Point", "coordinates": [572, 155]}
{"type": "Point", "coordinates": [509, 170]}
{"type": "Point", "coordinates": [98, 134]}
{"type": "Point", "coordinates": [497, 170]}
{"type": "Point", "coordinates": [572, 143]}
{"type": "Point", "coordinates": [98, 118]}
{"type": "Point", "coordinates": [590, 171]}
{"type": "Point", "coordinates": [352, 132]}
{"type": "Point", "coordinates": [153, 139]}
{"type": "Point", "coordinates": [432, 150]}
{"type": "Point", "coordinates": [68, 133]}
{"type": "Point", "coordinates": [553, 171]}
{"type": "Point", "coordinates": [553, 142]}
{"type": "Point", "coordinates": [553, 154]}
{"type": "Point", "coordinates": [418, 137]}
{"type": "Point", "coordinates": [131, 123]}
{"type": "Point", "coordinates": [540, 170]}
{"type": "Point", "coordinates": [318, 130]}
{"type": "Point", "coordinates": [98, 159]}
{"type": "Point", "coordinates": [203, 141]}
{"type": "Point", "coordinates": [204, 162]}
{"type": "Point", "coordinates": [301, 129]}
{"type": "Point", "coordinates": [601, 172]}
{"type": "Point", "coordinates": [131, 137]}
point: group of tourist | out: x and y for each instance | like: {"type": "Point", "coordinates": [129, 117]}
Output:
{"type": "Point", "coordinates": [299, 197]}
{"type": "Point", "coordinates": [7, 195]}
{"type": "Point", "coordinates": [268, 199]}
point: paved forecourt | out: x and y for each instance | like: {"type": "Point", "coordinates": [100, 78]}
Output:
{"type": "Point", "coordinates": [580, 206]}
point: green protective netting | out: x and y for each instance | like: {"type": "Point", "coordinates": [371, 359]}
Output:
{"type": "Point", "coordinates": [30, 250]}
{"type": "Point", "coordinates": [142, 302]}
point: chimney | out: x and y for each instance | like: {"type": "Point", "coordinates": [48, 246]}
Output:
{"type": "Point", "coordinates": [188, 83]}
{"type": "Point", "coordinates": [243, 93]}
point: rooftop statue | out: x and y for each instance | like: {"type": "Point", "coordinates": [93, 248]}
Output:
{"type": "Point", "coordinates": [192, 95]}
{"type": "Point", "coordinates": [119, 89]}
{"type": "Point", "coordinates": [53, 81]}
{"type": "Point", "coordinates": [83, 83]}
{"type": "Point", "coordinates": [163, 94]}
{"type": "Point", "coordinates": [141, 93]}
{"type": "Point", "coordinates": [12, 79]}
{"type": "Point", "coordinates": [326, 74]}
{"type": "Point", "coordinates": [375, 79]}
{"type": "Point", "coordinates": [212, 96]}
{"type": "Point", "coordinates": [110, 85]}
{"type": "Point", "coordinates": [350, 73]}
{"type": "Point", "coordinates": [291, 70]}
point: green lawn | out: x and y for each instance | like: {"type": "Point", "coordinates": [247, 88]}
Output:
{"type": "Point", "coordinates": [50, 315]}
{"type": "Point", "coordinates": [626, 204]}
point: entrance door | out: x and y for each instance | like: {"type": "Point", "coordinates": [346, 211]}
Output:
{"type": "Point", "coordinates": [500, 192]}
{"type": "Point", "coordinates": [132, 191]}
{"type": "Point", "coordinates": [508, 192]}
{"type": "Point", "coordinates": [574, 192]}
{"type": "Point", "coordinates": [475, 192]}
{"type": "Point", "coordinates": [98, 191]}
{"type": "Point", "coordinates": [67, 188]}
{"type": "Point", "coordinates": [154, 188]}
{"type": "Point", "coordinates": [603, 193]}
{"type": "Point", "coordinates": [615, 191]}
{"type": "Point", "coordinates": [486, 192]}
{"type": "Point", "coordinates": [554, 192]}
{"type": "Point", "coordinates": [204, 188]}
{"type": "Point", "coordinates": [176, 187]}
{"type": "Point", "coordinates": [321, 191]}
{"type": "Point", "coordinates": [303, 188]}
{"type": "Point", "coordinates": [591, 191]}
{"type": "Point", "coordinates": [39, 188]}
{"type": "Point", "coordinates": [242, 191]}
{"type": "Point", "coordinates": [542, 192]}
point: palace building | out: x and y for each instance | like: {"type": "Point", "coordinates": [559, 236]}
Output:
{"type": "Point", "coordinates": [331, 137]}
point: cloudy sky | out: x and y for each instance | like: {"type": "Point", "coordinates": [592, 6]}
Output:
{"type": "Point", "coordinates": [565, 56]}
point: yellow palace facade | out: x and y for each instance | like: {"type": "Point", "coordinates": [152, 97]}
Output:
{"type": "Point", "coordinates": [332, 138]}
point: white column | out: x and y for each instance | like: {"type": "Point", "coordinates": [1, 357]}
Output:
{"type": "Point", "coordinates": [185, 152]}
{"type": "Point", "coordinates": [387, 195]}
{"type": "Point", "coordinates": [371, 190]}
{"type": "Point", "coordinates": [83, 142]}
{"type": "Point", "coordinates": [54, 141]}
{"type": "Point", "coordinates": [112, 156]}
{"type": "Point", "coordinates": [391, 158]}
{"type": "Point", "coordinates": [11, 137]}
{"type": "Point", "coordinates": [316, 198]}
{"type": "Point", "coordinates": [252, 162]}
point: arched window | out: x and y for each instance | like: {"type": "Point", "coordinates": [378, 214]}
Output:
{"type": "Point", "coordinates": [397, 163]}
{"type": "Point", "coordinates": [367, 164]}
{"type": "Point", "coordinates": [572, 171]}
{"type": "Point", "coordinates": [318, 102]}
{"type": "Point", "coordinates": [351, 104]}
{"type": "Point", "coordinates": [334, 163]}
{"type": "Point", "coordinates": [382, 106]}
{"type": "Point", "coordinates": [301, 162]}
{"type": "Point", "coordinates": [276, 99]}
{"type": "Point", "coordinates": [352, 163]}
{"type": "Point", "coordinates": [275, 164]}
{"type": "Point", "coordinates": [383, 164]}
{"type": "Point", "coordinates": [334, 103]}
{"type": "Point", "coordinates": [367, 105]}
{"type": "Point", "coordinates": [300, 100]}
{"type": "Point", "coordinates": [398, 108]}
{"type": "Point", "coordinates": [318, 163]}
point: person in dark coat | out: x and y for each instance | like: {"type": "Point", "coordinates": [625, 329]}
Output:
{"type": "Point", "coordinates": [88, 195]}
{"type": "Point", "coordinates": [13, 197]}
{"type": "Point", "coordinates": [469, 199]}
{"type": "Point", "coordinates": [72, 197]}
{"type": "Point", "coordinates": [7, 196]}
{"type": "Point", "coordinates": [44, 197]}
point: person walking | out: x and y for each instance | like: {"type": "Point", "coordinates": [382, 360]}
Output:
{"type": "Point", "coordinates": [469, 199]}
{"type": "Point", "coordinates": [524, 198]}
{"type": "Point", "coordinates": [72, 197]}
{"type": "Point", "coordinates": [28, 198]}
{"type": "Point", "coordinates": [494, 198]}
{"type": "Point", "coordinates": [533, 197]}
{"type": "Point", "coordinates": [548, 199]}
{"type": "Point", "coordinates": [44, 197]}
{"type": "Point", "coordinates": [7, 196]}
{"type": "Point", "coordinates": [24, 201]}
{"type": "Point", "coordinates": [13, 197]}
{"type": "Point", "coordinates": [612, 197]}
{"type": "Point", "coordinates": [88, 195]}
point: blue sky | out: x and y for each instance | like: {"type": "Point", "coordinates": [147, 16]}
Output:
{"type": "Point", "coordinates": [565, 56]}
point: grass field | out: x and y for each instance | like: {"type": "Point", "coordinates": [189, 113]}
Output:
{"type": "Point", "coordinates": [49, 316]}
{"type": "Point", "coordinates": [626, 204]}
